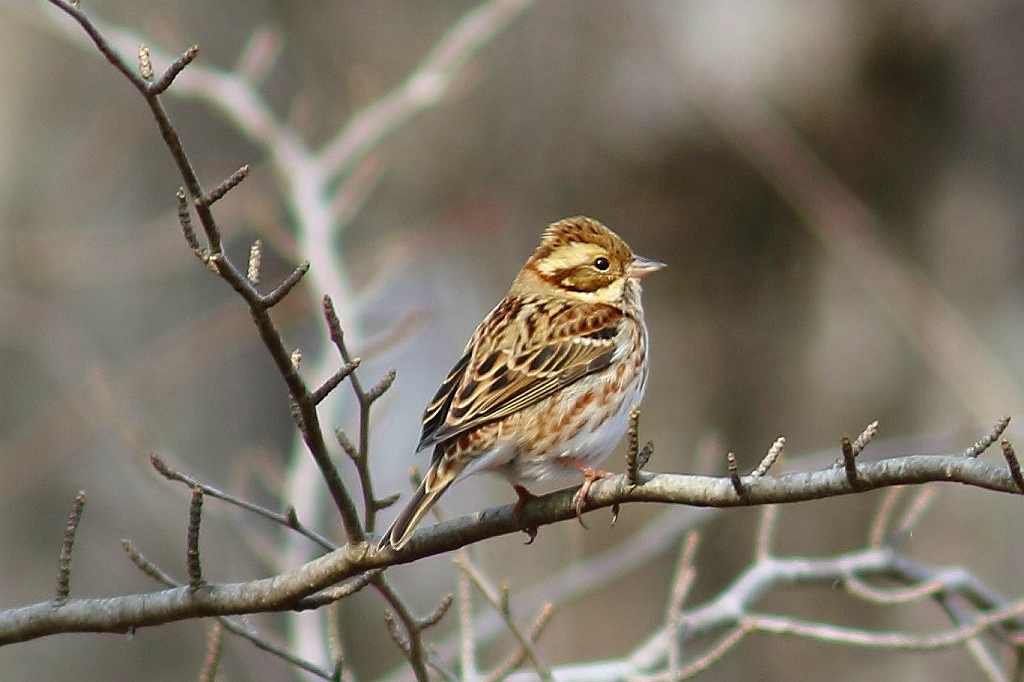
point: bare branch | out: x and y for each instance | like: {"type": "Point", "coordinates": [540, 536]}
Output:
{"type": "Point", "coordinates": [410, 642]}
{"type": "Point", "coordinates": [360, 454]}
{"type": "Point", "coordinates": [381, 387]}
{"type": "Point", "coordinates": [218, 192]}
{"type": "Point", "coordinates": [915, 510]}
{"type": "Point", "coordinates": [714, 654]}
{"type": "Point", "coordinates": [439, 613]}
{"type": "Point", "coordinates": [427, 84]}
{"type": "Point", "coordinates": [214, 640]}
{"type": "Point", "coordinates": [865, 437]}
{"type": "Point", "coordinates": [467, 641]}
{"type": "Point", "coordinates": [849, 461]}
{"type": "Point", "coordinates": [147, 567]}
{"type": "Point", "coordinates": [346, 444]}
{"type": "Point", "coordinates": [283, 289]}
{"type": "Point", "coordinates": [288, 519]}
{"type": "Point", "coordinates": [335, 379]}
{"type": "Point", "coordinates": [176, 67]}
{"type": "Point", "coordinates": [185, 220]}
{"type": "Point", "coordinates": [766, 526]}
{"type": "Point", "coordinates": [501, 605]}
{"type": "Point", "coordinates": [734, 473]}
{"type": "Point", "coordinates": [685, 574]}
{"type": "Point", "coordinates": [986, 442]}
{"type": "Point", "coordinates": [882, 640]}
{"type": "Point", "coordinates": [64, 564]}
{"type": "Point", "coordinates": [1011, 461]}
{"type": "Point", "coordinates": [195, 518]}
{"type": "Point", "coordinates": [880, 525]}
{"type": "Point", "coordinates": [337, 592]}
{"type": "Point", "coordinates": [766, 464]}
{"type": "Point", "coordinates": [516, 660]}
{"type": "Point", "coordinates": [633, 446]}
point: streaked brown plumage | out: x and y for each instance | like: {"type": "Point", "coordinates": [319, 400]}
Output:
{"type": "Point", "coordinates": [546, 383]}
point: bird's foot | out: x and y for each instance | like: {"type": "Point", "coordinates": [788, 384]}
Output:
{"type": "Point", "coordinates": [590, 474]}
{"type": "Point", "coordinates": [517, 512]}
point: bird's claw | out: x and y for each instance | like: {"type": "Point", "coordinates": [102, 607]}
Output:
{"type": "Point", "coordinates": [531, 533]}
{"type": "Point", "coordinates": [517, 512]}
{"type": "Point", "coordinates": [580, 498]}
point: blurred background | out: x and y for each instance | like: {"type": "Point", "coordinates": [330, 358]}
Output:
{"type": "Point", "coordinates": [836, 187]}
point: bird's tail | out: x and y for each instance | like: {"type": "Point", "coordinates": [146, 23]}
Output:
{"type": "Point", "coordinates": [431, 487]}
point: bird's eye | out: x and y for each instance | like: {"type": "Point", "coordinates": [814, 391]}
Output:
{"type": "Point", "coordinates": [601, 263]}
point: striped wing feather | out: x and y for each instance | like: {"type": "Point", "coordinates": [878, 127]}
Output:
{"type": "Point", "coordinates": [524, 363]}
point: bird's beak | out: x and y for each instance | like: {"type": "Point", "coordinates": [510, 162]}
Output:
{"type": "Point", "coordinates": [641, 267]}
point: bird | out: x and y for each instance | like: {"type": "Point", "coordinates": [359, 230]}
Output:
{"type": "Point", "coordinates": [544, 388]}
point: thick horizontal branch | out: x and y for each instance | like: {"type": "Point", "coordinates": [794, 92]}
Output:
{"type": "Point", "coordinates": [711, 491]}
{"type": "Point", "coordinates": [284, 592]}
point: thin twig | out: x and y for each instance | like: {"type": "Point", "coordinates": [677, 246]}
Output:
{"type": "Point", "coordinates": [264, 644]}
{"type": "Point", "coordinates": [360, 453]}
{"type": "Point", "coordinates": [685, 574]}
{"type": "Point", "coordinates": [734, 473]}
{"type": "Point", "coordinates": [288, 519]}
{"type": "Point", "coordinates": [334, 381]}
{"type": "Point", "coordinates": [766, 526]}
{"type": "Point", "coordinates": [765, 465]}
{"type": "Point", "coordinates": [516, 660]}
{"type": "Point", "coordinates": [195, 518]}
{"type": "Point", "coordinates": [435, 617]}
{"type": "Point", "coordinates": [225, 186]}
{"type": "Point", "coordinates": [714, 654]}
{"type": "Point", "coordinates": [1011, 461]}
{"type": "Point", "coordinates": [467, 642]}
{"type": "Point", "coordinates": [410, 642]}
{"type": "Point", "coordinates": [881, 640]}
{"type": "Point", "coordinates": [185, 221]}
{"type": "Point", "coordinates": [849, 461]}
{"type": "Point", "coordinates": [285, 287]}
{"type": "Point", "coordinates": [337, 592]}
{"type": "Point", "coordinates": [500, 604]}
{"type": "Point", "coordinates": [986, 442]}
{"type": "Point", "coordinates": [66, 545]}
{"type": "Point", "coordinates": [335, 641]}
{"type": "Point", "coordinates": [214, 640]}
{"type": "Point", "coordinates": [915, 510]}
{"type": "Point", "coordinates": [865, 437]}
{"type": "Point", "coordinates": [176, 67]}
{"type": "Point", "coordinates": [147, 566]}
{"type": "Point", "coordinates": [633, 446]}
{"type": "Point", "coordinates": [886, 509]}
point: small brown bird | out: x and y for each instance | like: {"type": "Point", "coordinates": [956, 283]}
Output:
{"type": "Point", "coordinates": [545, 386]}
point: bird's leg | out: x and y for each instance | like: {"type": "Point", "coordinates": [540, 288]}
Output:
{"type": "Point", "coordinates": [517, 511]}
{"type": "Point", "coordinates": [590, 474]}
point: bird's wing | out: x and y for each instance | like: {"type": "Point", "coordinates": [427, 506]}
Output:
{"type": "Point", "coordinates": [520, 354]}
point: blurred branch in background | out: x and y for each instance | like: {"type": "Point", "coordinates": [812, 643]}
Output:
{"type": "Point", "coordinates": [848, 229]}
